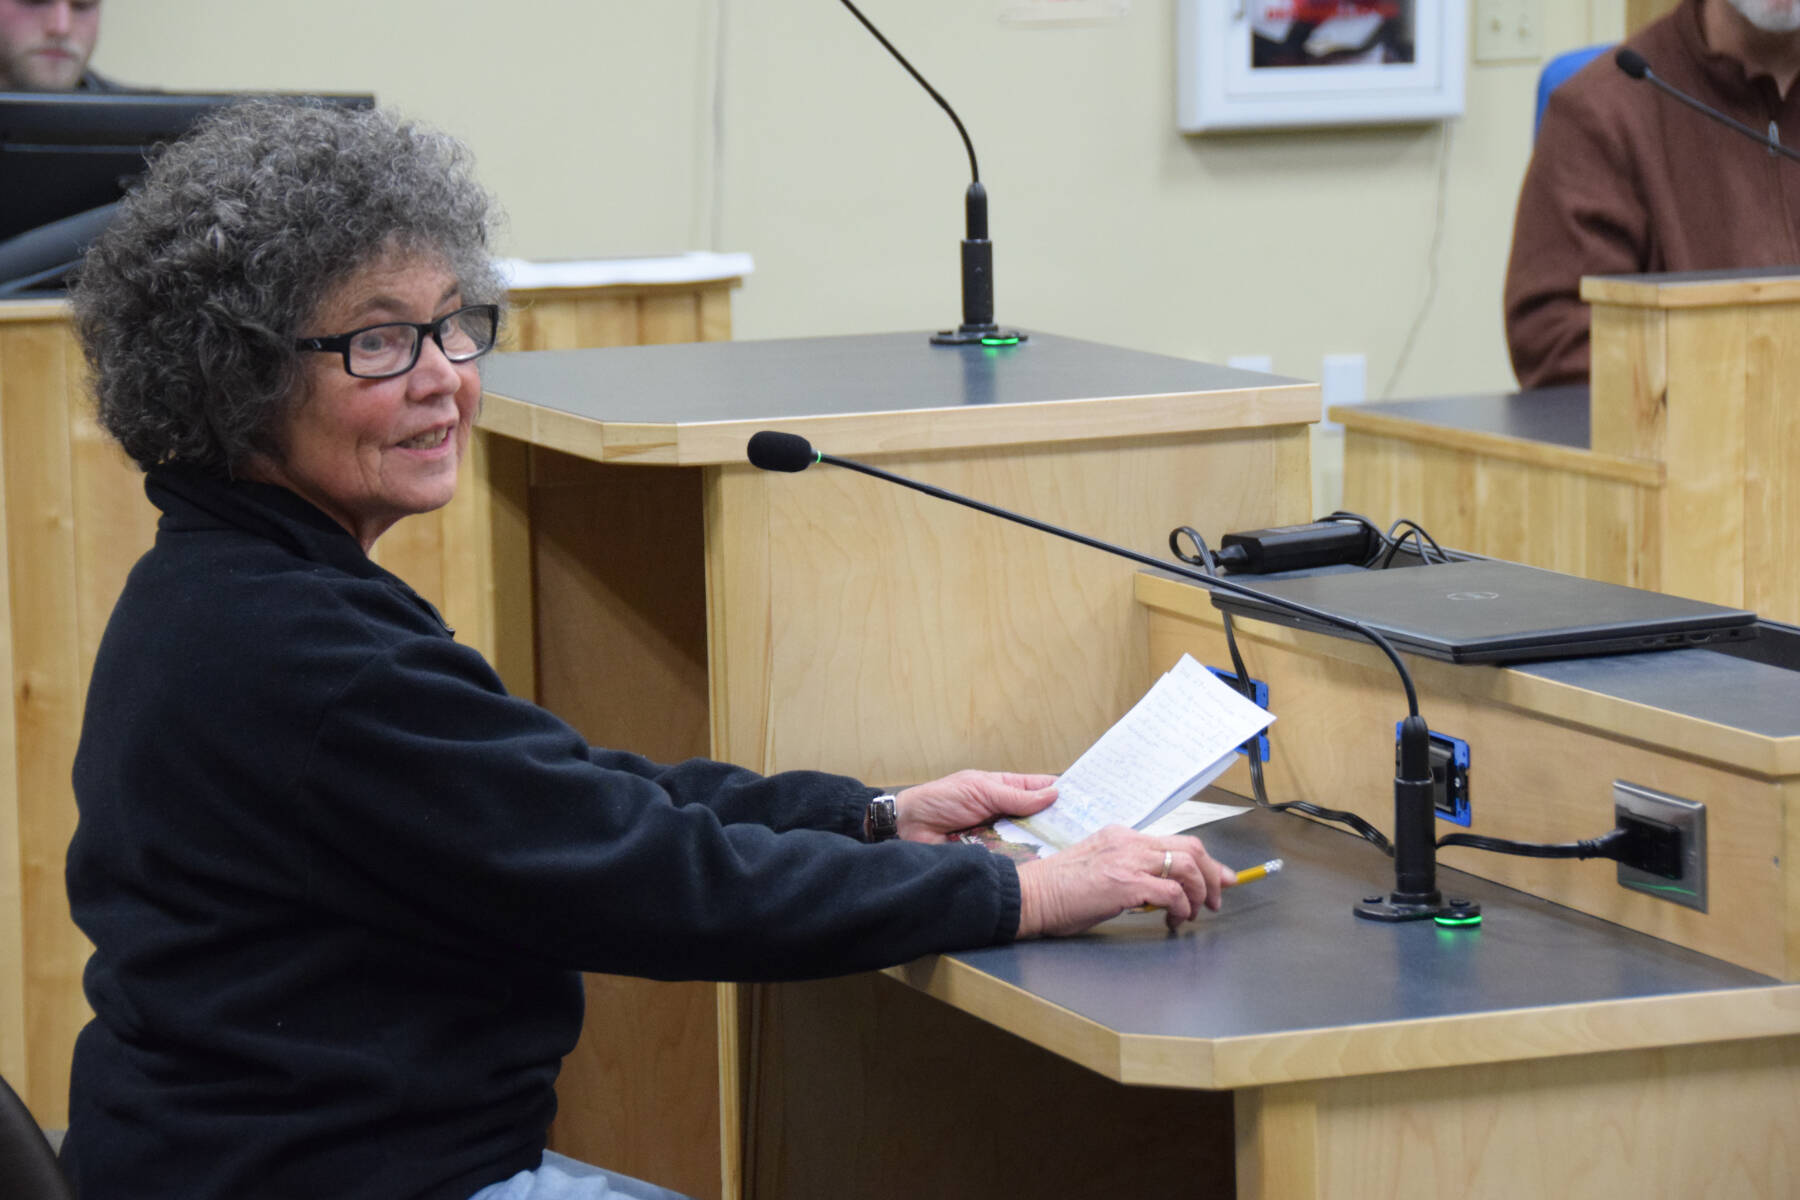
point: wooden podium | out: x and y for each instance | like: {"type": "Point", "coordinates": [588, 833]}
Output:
{"type": "Point", "coordinates": [75, 520]}
{"type": "Point", "coordinates": [1680, 473]}
{"type": "Point", "coordinates": [687, 603]}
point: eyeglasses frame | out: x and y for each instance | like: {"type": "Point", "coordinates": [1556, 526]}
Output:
{"type": "Point", "coordinates": [340, 343]}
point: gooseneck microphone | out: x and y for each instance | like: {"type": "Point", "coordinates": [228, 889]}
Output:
{"type": "Point", "coordinates": [1415, 895]}
{"type": "Point", "coordinates": [1634, 65]}
{"type": "Point", "coordinates": [978, 327]}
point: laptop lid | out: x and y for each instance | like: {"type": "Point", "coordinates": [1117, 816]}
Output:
{"type": "Point", "coordinates": [1490, 611]}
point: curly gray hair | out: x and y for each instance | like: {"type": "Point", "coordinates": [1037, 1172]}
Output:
{"type": "Point", "coordinates": [188, 305]}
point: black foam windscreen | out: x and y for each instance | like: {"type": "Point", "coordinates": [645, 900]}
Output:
{"type": "Point", "coordinates": [774, 451]}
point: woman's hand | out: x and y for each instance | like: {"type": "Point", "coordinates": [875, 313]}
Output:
{"type": "Point", "coordinates": [931, 812]}
{"type": "Point", "coordinates": [1115, 870]}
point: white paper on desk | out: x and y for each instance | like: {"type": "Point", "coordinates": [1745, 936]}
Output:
{"type": "Point", "coordinates": [695, 266]}
{"type": "Point", "coordinates": [1173, 742]}
{"type": "Point", "coordinates": [1190, 814]}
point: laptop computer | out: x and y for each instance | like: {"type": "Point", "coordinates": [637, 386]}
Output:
{"type": "Point", "coordinates": [1487, 611]}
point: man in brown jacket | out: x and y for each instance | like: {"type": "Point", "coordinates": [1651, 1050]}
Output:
{"type": "Point", "coordinates": [1624, 179]}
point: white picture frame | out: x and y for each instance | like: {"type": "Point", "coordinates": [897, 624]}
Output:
{"type": "Point", "coordinates": [1234, 73]}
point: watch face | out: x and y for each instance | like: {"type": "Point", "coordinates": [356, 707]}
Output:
{"type": "Point", "coordinates": [883, 819]}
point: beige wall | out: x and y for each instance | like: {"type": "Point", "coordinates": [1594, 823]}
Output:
{"type": "Point", "coordinates": [593, 120]}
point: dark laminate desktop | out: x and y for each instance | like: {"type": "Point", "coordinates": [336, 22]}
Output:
{"type": "Point", "coordinates": [1555, 416]}
{"type": "Point", "coordinates": [1287, 959]}
{"type": "Point", "coordinates": [867, 393]}
{"type": "Point", "coordinates": [1283, 1048]}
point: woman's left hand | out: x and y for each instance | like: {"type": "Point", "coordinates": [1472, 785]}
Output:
{"type": "Point", "coordinates": [931, 812]}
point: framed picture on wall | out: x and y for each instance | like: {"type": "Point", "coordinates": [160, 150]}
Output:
{"type": "Point", "coordinates": [1249, 64]}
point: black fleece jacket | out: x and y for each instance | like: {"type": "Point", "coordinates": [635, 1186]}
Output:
{"type": "Point", "coordinates": [340, 884]}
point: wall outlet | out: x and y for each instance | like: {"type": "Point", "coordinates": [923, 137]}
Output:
{"type": "Point", "coordinates": [1449, 775]}
{"type": "Point", "coordinates": [1259, 694]}
{"type": "Point", "coordinates": [1509, 30]}
{"type": "Point", "coordinates": [1688, 819]}
{"type": "Point", "coordinates": [1343, 379]}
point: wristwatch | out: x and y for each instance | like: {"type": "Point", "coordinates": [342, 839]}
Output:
{"type": "Point", "coordinates": [881, 819]}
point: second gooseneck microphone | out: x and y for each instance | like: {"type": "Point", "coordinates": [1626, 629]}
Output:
{"type": "Point", "coordinates": [1415, 895]}
{"type": "Point", "coordinates": [978, 326]}
{"type": "Point", "coordinates": [1634, 65]}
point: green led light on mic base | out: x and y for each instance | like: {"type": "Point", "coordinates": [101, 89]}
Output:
{"type": "Point", "coordinates": [1452, 921]}
{"type": "Point", "coordinates": [1000, 341]}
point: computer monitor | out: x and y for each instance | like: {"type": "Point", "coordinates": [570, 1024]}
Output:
{"type": "Point", "coordinates": [67, 157]}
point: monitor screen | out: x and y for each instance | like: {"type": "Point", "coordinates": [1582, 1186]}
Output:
{"type": "Point", "coordinates": [65, 157]}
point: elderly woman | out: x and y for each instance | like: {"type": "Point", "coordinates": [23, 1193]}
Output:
{"type": "Point", "coordinates": [339, 882]}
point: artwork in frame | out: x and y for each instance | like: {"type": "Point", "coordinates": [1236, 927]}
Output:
{"type": "Point", "coordinates": [1250, 64]}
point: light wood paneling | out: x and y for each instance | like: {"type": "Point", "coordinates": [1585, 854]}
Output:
{"type": "Point", "coordinates": [924, 670]}
{"type": "Point", "coordinates": [41, 368]}
{"type": "Point", "coordinates": [642, 1085]}
{"type": "Point", "coordinates": [1715, 1120]}
{"type": "Point", "coordinates": [1703, 500]}
{"type": "Point", "coordinates": [1629, 382]}
{"type": "Point", "coordinates": [1771, 464]}
{"type": "Point", "coordinates": [13, 991]}
{"type": "Point", "coordinates": [962, 427]}
{"type": "Point", "coordinates": [1277, 1142]}
{"type": "Point", "coordinates": [1496, 496]}
{"type": "Point", "coordinates": [599, 613]}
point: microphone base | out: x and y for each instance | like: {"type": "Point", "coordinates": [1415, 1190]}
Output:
{"type": "Point", "coordinates": [1409, 906]}
{"type": "Point", "coordinates": [978, 335]}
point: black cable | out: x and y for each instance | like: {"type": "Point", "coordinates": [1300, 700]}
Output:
{"type": "Point", "coordinates": [1417, 533]}
{"type": "Point", "coordinates": [1607, 845]}
{"type": "Point", "coordinates": [974, 171]}
{"type": "Point", "coordinates": [1202, 557]}
{"type": "Point", "coordinates": [1377, 536]}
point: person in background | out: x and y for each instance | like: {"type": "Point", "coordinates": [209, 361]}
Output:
{"type": "Point", "coordinates": [1624, 179]}
{"type": "Point", "coordinates": [45, 45]}
{"type": "Point", "coordinates": [339, 883]}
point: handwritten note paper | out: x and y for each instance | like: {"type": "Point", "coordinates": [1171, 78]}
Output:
{"type": "Point", "coordinates": [1173, 742]}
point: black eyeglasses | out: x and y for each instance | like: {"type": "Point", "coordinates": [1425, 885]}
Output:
{"type": "Point", "coordinates": [392, 348]}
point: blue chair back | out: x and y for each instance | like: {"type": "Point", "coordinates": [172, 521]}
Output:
{"type": "Point", "coordinates": [1556, 71]}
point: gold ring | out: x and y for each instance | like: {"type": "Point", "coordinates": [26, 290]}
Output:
{"type": "Point", "coordinates": [1168, 864]}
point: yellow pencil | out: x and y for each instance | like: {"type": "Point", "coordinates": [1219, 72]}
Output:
{"type": "Point", "coordinates": [1259, 870]}
{"type": "Point", "coordinates": [1243, 876]}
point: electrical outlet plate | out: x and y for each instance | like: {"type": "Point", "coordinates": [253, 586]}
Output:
{"type": "Point", "coordinates": [1449, 775]}
{"type": "Point", "coordinates": [1686, 816]}
{"type": "Point", "coordinates": [1509, 30]}
{"type": "Point", "coordinates": [1259, 693]}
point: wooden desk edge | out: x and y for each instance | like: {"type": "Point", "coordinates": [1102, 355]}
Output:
{"type": "Point", "coordinates": [34, 310]}
{"type": "Point", "coordinates": [58, 309]}
{"type": "Point", "coordinates": [1624, 720]}
{"type": "Point", "coordinates": [1641, 471]}
{"type": "Point", "coordinates": [584, 291]}
{"type": "Point", "coordinates": [1373, 1049]}
{"type": "Point", "coordinates": [710, 443]}
{"type": "Point", "coordinates": [1634, 292]}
